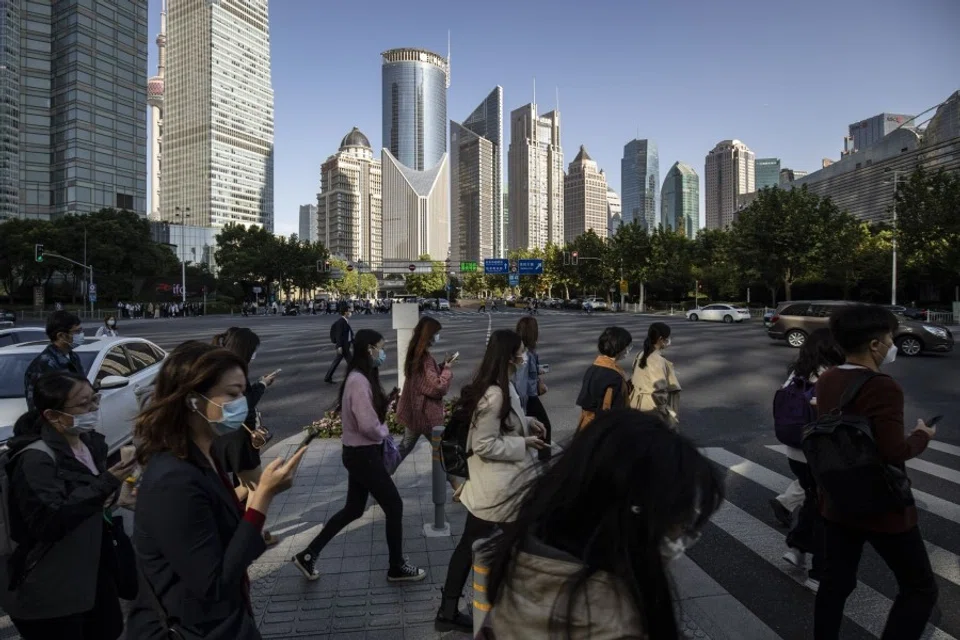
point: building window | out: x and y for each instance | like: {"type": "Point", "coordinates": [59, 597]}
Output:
{"type": "Point", "coordinates": [124, 202]}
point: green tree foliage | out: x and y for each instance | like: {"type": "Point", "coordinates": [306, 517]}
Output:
{"type": "Point", "coordinates": [347, 285]}
{"type": "Point", "coordinates": [928, 223]}
{"type": "Point", "coordinates": [431, 284]}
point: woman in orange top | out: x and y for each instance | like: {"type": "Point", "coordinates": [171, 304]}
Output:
{"type": "Point", "coordinates": [605, 384]}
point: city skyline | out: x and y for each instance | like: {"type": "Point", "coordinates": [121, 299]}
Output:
{"type": "Point", "coordinates": [684, 126]}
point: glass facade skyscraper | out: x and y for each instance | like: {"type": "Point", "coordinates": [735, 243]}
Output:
{"type": "Point", "coordinates": [680, 200]}
{"type": "Point", "coordinates": [640, 183]}
{"type": "Point", "coordinates": [415, 85]}
{"type": "Point", "coordinates": [71, 114]}
{"type": "Point", "coordinates": [766, 172]}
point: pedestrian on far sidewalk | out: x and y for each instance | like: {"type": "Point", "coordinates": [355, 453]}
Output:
{"type": "Point", "coordinates": [341, 335]}
{"type": "Point", "coordinates": [109, 328]}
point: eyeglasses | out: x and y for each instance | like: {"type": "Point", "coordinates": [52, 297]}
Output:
{"type": "Point", "coordinates": [259, 435]}
{"type": "Point", "coordinates": [94, 402]}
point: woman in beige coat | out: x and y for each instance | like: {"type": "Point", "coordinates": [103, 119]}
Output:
{"type": "Point", "coordinates": [655, 385]}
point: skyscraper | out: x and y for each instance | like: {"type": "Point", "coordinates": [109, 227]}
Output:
{"type": "Point", "coordinates": [535, 169]}
{"type": "Point", "coordinates": [640, 183]}
{"type": "Point", "coordinates": [584, 198]}
{"type": "Point", "coordinates": [349, 205]}
{"type": "Point", "coordinates": [155, 101]}
{"type": "Point", "coordinates": [416, 204]}
{"type": "Point", "coordinates": [766, 172]}
{"type": "Point", "coordinates": [309, 229]}
{"type": "Point", "coordinates": [72, 100]}
{"type": "Point", "coordinates": [729, 170]}
{"type": "Point", "coordinates": [218, 114]}
{"type": "Point", "coordinates": [476, 183]}
{"type": "Point", "coordinates": [680, 200]}
{"type": "Point", "coordinates": [614, 212]}
{"type": "Point", "coordinates": [868, 132]}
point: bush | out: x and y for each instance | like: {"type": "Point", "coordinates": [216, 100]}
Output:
{"type": "Point", "coordinates": [331, 425]}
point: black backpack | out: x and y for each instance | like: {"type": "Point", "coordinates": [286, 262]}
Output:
{"type": "Point", "coordinates": [453, 443]}
{"type": "Point", "coordinates": [792, 410]}
{"type": "Point", "coordinates": [843, 457]}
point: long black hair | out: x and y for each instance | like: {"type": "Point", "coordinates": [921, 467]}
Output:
{"type": "Point", "coordinates": [242, 341]}
{"type": "Point", "coordinates": [420, 344]}
{"type": "Point", "coordinates": [656, 332]}
{"type": "Point", "coordinates": [494, 371]}
{"type": "Point", "coordinates": [50, 392]}
{"type": "Point", "coordinates": [610, 499]}
{"type": "Point", "coordinates": [819, 351]}
{"type": "Point", "coordinates": [360, 360]}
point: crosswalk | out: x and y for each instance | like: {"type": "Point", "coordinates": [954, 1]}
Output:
{"type": "Point", "coordinates": [743, 544]}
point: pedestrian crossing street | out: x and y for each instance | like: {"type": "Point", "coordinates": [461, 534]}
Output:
{"type": "Point", "coordinates": [743, 545]}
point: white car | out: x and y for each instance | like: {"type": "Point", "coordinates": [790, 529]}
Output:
{"type": "Point", "coordinates": [123, 368]}
{"type": "Point", "coordinates": [443, 304]}
{"type": "Point", "coordinates": [719, 313]}
{"type": "Point", "coordinates": [598, 304]}
{"type": "Point", "coordinates": [16, 335]}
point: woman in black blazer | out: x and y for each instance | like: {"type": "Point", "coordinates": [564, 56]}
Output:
{"type": "Point", "coordinates": [194, 542]}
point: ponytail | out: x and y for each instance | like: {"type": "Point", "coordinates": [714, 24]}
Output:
{"type": "Point", "coordinates": [647, 350]}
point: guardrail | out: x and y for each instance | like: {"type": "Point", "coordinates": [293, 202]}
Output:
{"type": "Point", "coordinates": [942, 317]}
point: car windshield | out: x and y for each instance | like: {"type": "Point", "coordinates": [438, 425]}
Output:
{"type": "Point", "coordinates": [14, 365]}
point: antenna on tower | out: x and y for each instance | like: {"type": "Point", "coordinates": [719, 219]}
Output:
{"type": "Point", "coordinates": [534, 92]}
{"type": "Point", "coordinates": [558, 100]}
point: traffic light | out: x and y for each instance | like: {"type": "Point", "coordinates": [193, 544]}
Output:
{"type": "Point", "coordinates": [38, 252]}
{"type": "Point", "coordinates": [575, 258]}
{"type": "Point", "coordinates": [323, 266]}
{"type": "Point", "coordinates": [566, 258]}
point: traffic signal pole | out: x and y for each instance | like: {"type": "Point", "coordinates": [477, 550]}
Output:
{"type": "Point", "coordinates": [79, 264]}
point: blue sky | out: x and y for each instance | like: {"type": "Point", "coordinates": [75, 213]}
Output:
{"type": "Point", "coordinates": [786, 78]}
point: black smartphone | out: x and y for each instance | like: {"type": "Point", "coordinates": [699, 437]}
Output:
{"type": "Point", "coordinates": [932, 422]}
{"type": "Point", "coordinates": [307, 440]}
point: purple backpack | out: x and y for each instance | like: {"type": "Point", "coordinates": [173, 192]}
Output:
{"type": "Point", "coordinates": [792, 411]}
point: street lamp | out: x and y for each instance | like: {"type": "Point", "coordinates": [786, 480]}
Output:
{"type": "Point", "coordinates": [893, 280]}
{"type": "Point", "coordinates": [183, 264]}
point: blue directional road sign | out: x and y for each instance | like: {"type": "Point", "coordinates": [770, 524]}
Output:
{"type": "Point", "coordinates": [514, 280]}
{"type": "Point", "coordinates": [530, 267]}
{"type": "Point", "coordinates": [496, 266]}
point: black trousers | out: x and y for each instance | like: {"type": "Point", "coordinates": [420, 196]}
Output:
{"type": "Point", "coordinates": [367, 476]}
{"type": "Point", "coordinates": [906, 556]}
{"type": "Point", "coordinates": [535, 409]}
{"type": "Point", "coordinates": [807, 532]}
{"type": "Point", "coordinates": [341, 355]}
{"type": "Point", "coordinates": [461, 562]}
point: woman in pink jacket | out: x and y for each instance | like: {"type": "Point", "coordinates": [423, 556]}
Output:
{"type": "Point", "coordinates": [421, 402]}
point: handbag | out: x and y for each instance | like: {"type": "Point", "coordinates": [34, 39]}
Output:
{"type": "Point", "coordinates": [123, 560]}
{"type": "Point", "coordinates": [391, 455]}
{"type": "Point", "coordinates": [172, 625]}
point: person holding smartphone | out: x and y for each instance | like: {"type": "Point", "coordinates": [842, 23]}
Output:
{"type": "Point", "coordinates": [529, 380]}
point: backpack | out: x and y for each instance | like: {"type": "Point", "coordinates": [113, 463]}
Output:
{"type": "Point", "coordinates": [846, 464]}
{"type": "Point", "coordinates": [792, 411]}
{"type": "Point", "coordinates": [453, 443]}
{"type": "Point", "coordinates": [7, 543]}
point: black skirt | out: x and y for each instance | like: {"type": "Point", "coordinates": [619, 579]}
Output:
{"type": "Point", "coordinates": [234, 452]}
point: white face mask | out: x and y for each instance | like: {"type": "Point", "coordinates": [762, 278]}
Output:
{"type": "Point", "coordinates": [523, 361]}
{"type": "Point", "coordinates": [76, 339]}
{"type": "Point", "coordinates": [111, 323]}
{"type": "Point", "coordinates": [891, 356]}
{"type": "Point", "coordinates": [253, 357]}
{"type": "Point", "coordinates": [83, 423]}
{"type": "Point", "coordinates": [672, 549]}
{"type": "Point", "coordinates": [666, 343]}
{"type": "Point", "coordinates": [435, 339]}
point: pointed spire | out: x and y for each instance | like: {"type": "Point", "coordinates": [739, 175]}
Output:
{"type": "Point", "coordinates": [558, 100]}
{"type": "Point", "coordinates": [583, 156]}
{"type": "Point", "coordinates": [162, 41]}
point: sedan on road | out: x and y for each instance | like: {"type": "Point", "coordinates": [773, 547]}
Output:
{"type": "Point", "coordinates": [121, 369]}
{"type": "Point", "coordinates": [726, 313]}
{"type": "Point", "coordinates": [22, 334]}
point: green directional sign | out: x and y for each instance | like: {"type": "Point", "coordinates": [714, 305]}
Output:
{"type": "Point", "coordinates": [468, 267]}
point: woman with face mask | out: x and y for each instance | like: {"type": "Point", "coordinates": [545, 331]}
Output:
{"type": "Point", "coordinates": [655, 387]}
{"type": "Point", "coordinates": [605, 384]}
{"type": "Point", "coordinates": [59, 582]}
{"type": "Point", "coordinates": [363, 409]}
{"type": "Point", "coordinates": [109, 328]}
{"type": "Point", "coordinates": [193, 538]}
{"type": "Point", "coordinates": [589, 552]}
{"type": "Point", "coordinates": [503, 442]}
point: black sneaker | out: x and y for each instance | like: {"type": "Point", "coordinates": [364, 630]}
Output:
{"type": "Point", "coordinates": [306, 563]}
{"type": "Point", "coordinates": [780, 512]}
{"type": "Point", "coordinates": [406, 573]}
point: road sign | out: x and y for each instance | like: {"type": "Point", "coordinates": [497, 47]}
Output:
{"type": "Point", "coordinates": [514, 280]}
{"type": "Point", "coordinates": [93, 297]}
{"type": "Point", "coordinates": [411, 268]}
{"type": "Point", "coordinates": [92, 289]}
{"type": "Point", "coordinates": [468, 267]}
{"type": "Point", "coordinates": [258, 289]}
{"type": "Point", "coordinates": [496, 266]}
{"type": "Point", "coordinates": [349, 267]}
{"type": "Point", "coordinates": [624, 287]}
{"type": "Point", "coordinates": [513, 266]}
{"type": "Point", "coordinates": [530, 267]}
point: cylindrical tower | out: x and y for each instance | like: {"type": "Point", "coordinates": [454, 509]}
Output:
{"type": "Point", "coordinates": [155, 101]}
{"type": "Point", "coordinates": [415, 106]}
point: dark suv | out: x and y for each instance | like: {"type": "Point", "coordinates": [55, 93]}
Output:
{"type": "Point", "coordinates": [794, 321]}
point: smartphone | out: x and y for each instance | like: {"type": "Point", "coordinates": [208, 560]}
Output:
{"type": "Point", "coordinates": [275, 372]}
{"type": "Point", "coordinates": [544, 368]}
{"type": "Point", "coordinates": [932, 422]}
{"type": "Point", "coordinates": [454, 357]}
{"type": "Point", "coordinates": [307, 440]}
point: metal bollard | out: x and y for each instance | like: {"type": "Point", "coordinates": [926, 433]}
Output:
{"type": "Point", "coordinates": [439, 528]}
{"type": "Point", "coordinates": [481, 573]}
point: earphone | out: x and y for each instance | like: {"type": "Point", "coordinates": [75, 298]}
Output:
{"type": "Point", "coordinates": [193, 404]}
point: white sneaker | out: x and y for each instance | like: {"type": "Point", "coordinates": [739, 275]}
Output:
{"type": "Point", "coordinates": [813, 585]}
{"type": "Point", "coordinates": [796, 557]}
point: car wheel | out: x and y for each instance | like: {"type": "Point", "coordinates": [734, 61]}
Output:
{"type": "Point", "coordinates": [728, 319]}
{"type": "Point", "coordinates": [694, 317]}
{"type": "Point", "coordinates": [796, 338]}
{"type": "Point", "coordinates": [909, 346]}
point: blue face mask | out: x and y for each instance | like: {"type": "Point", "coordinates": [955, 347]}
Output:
{"type": "Point", "coordinates": [380, 359]}
{"type": "Point", "coordinates": [234, 413]}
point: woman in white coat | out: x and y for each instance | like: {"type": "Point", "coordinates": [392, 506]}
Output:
{"type": "Point", "coordinates": [503, 442]}
{"type": "Point", "coordinates": [655, 388]}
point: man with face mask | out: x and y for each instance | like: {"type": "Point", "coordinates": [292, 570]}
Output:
{"type": "Point", "coordinates": [865, 333]}
{"type": "Point", "coordinates": [65, 332]}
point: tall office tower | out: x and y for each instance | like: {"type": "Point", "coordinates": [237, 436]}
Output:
{"type": "Point", "coordinates": [640, 183]}
{"type": "Point", "coordinates": [72, 135]}
{"type": "Point", "coordinates": [614, 212]}
{"type": "Point", "coordinates": [155, 101]}
{"type": "Point", "coordinates": [766, 172]}
{"type": "Point", "coordinates": [680, 200]}
{"type": "Point", "coordinates": [416, 201]}
{"type": "Point", "coordinates": [476, 183]}
{"type": "Point", "coordinates": [350, 203]}
{"type": "Point", "coordinates": [218, 114]}
{"type": "Point", "coordinates": [868, 132]}
{"type": "Point", "coordinates": [584, 198]}
{"type": "Point", "coordinates": [535, 168]}
{"type": "Point", "coordinates": [309, 226]}
{"type": "Point", "coordinates": [729, 170]}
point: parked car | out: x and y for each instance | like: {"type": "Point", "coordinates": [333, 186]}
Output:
{"type": "Point", "coordinates": [768, 318]}
{"type": "Point", "coordinates": [726, 313]}
{"type": "Point", "coordinates": [794, 321]}
{"type": "Point", "coordinates": [597, 304]}
{"type": "Point", "coordinates": [443, 304]}
{"type": "Point", "coordinates": [907, 312]}
{"type": "Point", "coordinates": [122, 369]}
{"type": "Point", "coordinates": [18, 335]}
{"type": "Point", "coordinates": [7, 316]}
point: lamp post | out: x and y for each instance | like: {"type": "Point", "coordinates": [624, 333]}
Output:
{"type": "Point", "coordinates": [893, 278]}
{"type": "Point", "coordinates": [183, 264]}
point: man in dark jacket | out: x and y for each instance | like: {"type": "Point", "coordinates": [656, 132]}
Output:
{"type": "Point", "coordinates": [342, 334]}
{"type": "Point", "coordinates": [65, 332]}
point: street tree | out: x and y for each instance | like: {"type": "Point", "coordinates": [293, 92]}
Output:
{"type": "Point", "coordinates": [427, 284]}
{"type": "Point", "coordinates": [928, 223]}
